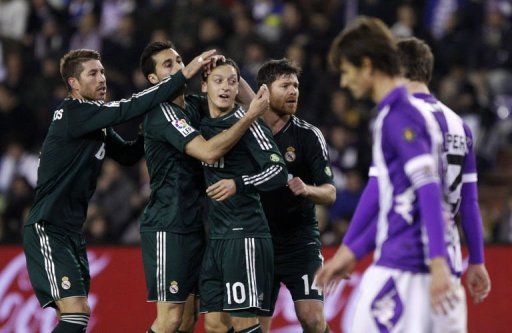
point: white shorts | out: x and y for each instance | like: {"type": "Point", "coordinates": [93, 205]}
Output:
{"type": "Point", "coordinates": [395, 301]}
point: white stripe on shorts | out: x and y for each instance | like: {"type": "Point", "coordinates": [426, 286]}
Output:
{"type": "Point", "coordinates": [48, 260]}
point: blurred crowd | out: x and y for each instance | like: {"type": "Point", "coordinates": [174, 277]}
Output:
{"type": "Point", "coordinates": [471, 41]}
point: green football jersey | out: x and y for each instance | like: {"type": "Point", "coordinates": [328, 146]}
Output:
{"type": "Point", "coordinates": [292, 218]}
{"type": "Point", "coordinates": [74, 149]}
{"type": "Point", "coordinates": [256, 165]}
{"type": "Point", "coordinates": [177, 182]}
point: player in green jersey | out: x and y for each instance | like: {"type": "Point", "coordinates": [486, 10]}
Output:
{"type": "Point", "coordinates": [290, 210]}
{"type": "Point", "coordinates": [236, 274]}
{"type": "Point", "coordinates": [78, 139]}
{"type": "Point", "coordinates": [171, 226]}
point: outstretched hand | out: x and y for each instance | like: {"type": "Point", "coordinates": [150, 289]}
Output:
{"type": "Point", "coordinates": [197, 63]}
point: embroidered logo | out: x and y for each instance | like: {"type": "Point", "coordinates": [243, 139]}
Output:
{"type": "Point", "coordinates": [66, 284]}
{"type": "Point", "coordinates": [387, 307]}
{"type": "Point", "coordinates": [275, 158]}
{"type": "Point", "coordinates": [183, 127]}
{"type": "Point", "coordinates": [290, 154]}
{"type": "Point", "coordinates": [174, 287]}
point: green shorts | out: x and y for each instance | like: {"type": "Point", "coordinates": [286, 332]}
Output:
{"type": "Point", "coordinates": [297, 270]}
{"type": "Point", "coordinates": [236, 275]}
{"type": "Point", "coordinates": [171, 264]}
{"type": "Point", "coordinates": [56, 261]}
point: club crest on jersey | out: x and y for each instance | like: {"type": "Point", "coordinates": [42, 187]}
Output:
{"type": "Point", "coordinates": [290, 154]}
{"type": "Point", "coordinates": [274, 158]}
{"type": "Point", "coordinates": [183, 127]}
{"type": "Point", "coordinates": [409, 134]}
{"type": "Point", "coordinates": [174, 287]}
{"type": "Point", "coordinates": [328, 171]}
{"type": "Point", "coordinates": [66, 284]}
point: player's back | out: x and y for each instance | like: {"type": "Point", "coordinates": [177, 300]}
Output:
{"type": "Point", "coordinates": [458, 167]}
{"type": "Point", "coordinates": [68, 169]}
{"type": "Point", "coordinates": [256, 154]}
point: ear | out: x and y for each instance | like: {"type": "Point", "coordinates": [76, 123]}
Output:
{"type": "Point", "coordinates": [204, 87]}
{"type": "Point", "coordinates": [73, 82]}
{"type": "Point", "coordinates": [153, 78]}
{"type": "Point", "coordinates": [366, 65]}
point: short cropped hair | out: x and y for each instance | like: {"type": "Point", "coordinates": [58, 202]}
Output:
{"type": "Point", "coordinates": [147, 63]}
{"type": "Point", "coordinates": [71, 63]}
{"type": "Point", "coordinates": [416, 59]}
{"type": "Point", "coordinates": [273, 69]}
{"type": "Point", "coordinates": [366, 37]}
{"type": "Point", "coordinates": [221, 62]}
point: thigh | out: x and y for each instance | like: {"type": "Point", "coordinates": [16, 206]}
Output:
{"type": "Point", "coordinates": [54, 266]}
{"type": "Point", "coordinates": [248, 269]}
{"type": "Point", "coordinates": [171, 264]}
{"type": "Point", "coordinates": [379, 307]}
{"type": "Point", "coordinates": [211, 287]}
{"type": "Point", "coordinates": [298, 274]}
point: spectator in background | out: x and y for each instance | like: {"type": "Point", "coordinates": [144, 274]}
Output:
{"type": "Point", "coordinates": [87, 36]}
{"type": "Point", "coordinates": [405, 21]}
{"type": "Point", "coordinates": [502, 232]}
{"type": "Point", "coordinates": [343, 209]}
{"type": "Point", "coordinates": [16, 162]}
{"type": "Point", "coordinates": [17, 203]}
{"type": "Point", "coordinates": [13, 19]}
{"type": "Point", "coordinates": [112, 196]}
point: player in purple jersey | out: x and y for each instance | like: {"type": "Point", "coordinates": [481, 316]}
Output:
{"type": "Point", "coordinates": [410, 259]}
{"type": "Point", "coordinates": [459, 178]}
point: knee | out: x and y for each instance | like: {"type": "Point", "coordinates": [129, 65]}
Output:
{"type": "Point", "coordinates": [168, 322]}
{"type": "Point", "coordinates": [214, 327]}
{"type": "Point", "coordinates": [312, 322]}
{"type": "Point", "coordinates": [188, 322]}
{"type": "Point", "coordinates": [74, 305]}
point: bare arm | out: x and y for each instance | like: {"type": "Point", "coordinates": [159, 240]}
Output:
{"type": "Point", "coordinates": [211, 150]}
{"type": "Point", "coordinates": [324, 194]}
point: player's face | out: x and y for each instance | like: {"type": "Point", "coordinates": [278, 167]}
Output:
{"type": "Point", "coordinates": [284, 94]}
{"type": "Point", "coordinates": [92, 84]}
{"type": "Point", "coordinates": [356, 79]}
{"type": "Point", "coordinates": [221, 87]}
{"type": "Point", "coordinates": [167, 62]}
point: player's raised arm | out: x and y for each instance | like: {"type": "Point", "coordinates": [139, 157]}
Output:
{"type": "Point", "coordinates": [211, 150]}
{"type": "Point", "coordinates": [86, 116]}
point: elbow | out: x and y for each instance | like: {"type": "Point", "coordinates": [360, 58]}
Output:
{"type": "Point", "coordinates": [331, 197]}
{"type": "Point", "coordinates": [210, 157]}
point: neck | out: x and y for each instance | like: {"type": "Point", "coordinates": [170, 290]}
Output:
{"type": "Point", "coordinates": [383, 86]}
{"type": "Point", "coordinates": [415, 87]}
{"type": "Point", "coordinates": [215, 112]}
{"type": "Point", "coordinates": [180, 101]}
{"type": "Point", "coordinates": [274, 121]}
{"type": "Point", "coordinates": [75, 95]}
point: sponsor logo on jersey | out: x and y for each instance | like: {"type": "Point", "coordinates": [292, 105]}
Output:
{"type": "Point", "coordinates": [66, 284]}
{"type": "Point", "coordinates": [275, 158]}
{"type": "Point", "coordinates": [328, 171]}
{"type": "Point", "coordinates": [409, 134]}
{"type": "Point", "coordinates": [183, 127]}
{"type": "Point", "coordinates": [174, 287]}
{"type": "Point", "coordinates": [290, 154]}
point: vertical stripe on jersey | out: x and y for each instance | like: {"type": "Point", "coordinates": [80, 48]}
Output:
{"type": "Point", "coordinates": [48, 260]}
{"type": "Point", "coordinates": [385, 185]}
{"type": "Point", "coordinates": [250, 266]}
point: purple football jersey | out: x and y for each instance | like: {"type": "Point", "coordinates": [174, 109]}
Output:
{"type": "Point", "coordinates": [406, 155]}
